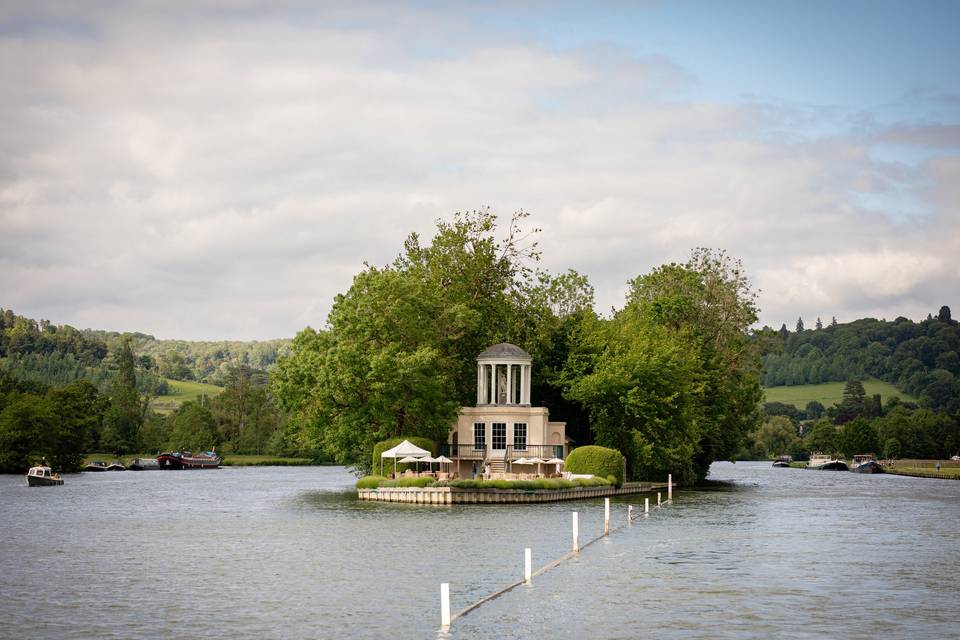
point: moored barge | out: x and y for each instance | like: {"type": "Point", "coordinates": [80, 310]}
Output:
{"type": "Point", "coordinates": [176, 460]}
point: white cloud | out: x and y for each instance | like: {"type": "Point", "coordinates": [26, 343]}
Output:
{"type": "Point", "coordinates": [223, 173]}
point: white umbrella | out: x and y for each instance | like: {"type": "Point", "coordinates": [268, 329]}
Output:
{"type": "Point", "coordinates": [536, 461]}
{"type": "Point", "coordinates": [521, 461]}
{"type": "Point", "coordinates": [411, 459]}
{"type": "Point", "coordinates": [556, 461]}
{"type": "Point", "coordinates": [428, 460]}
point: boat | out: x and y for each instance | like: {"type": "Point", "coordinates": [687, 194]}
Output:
{"type": "Point", "coordinates": [865, 463]}
{"type": "Point", "coordinates": [823, 462]}
{"type": "Point", "coordinates": [116, 465]}
{"type": "Point", "coordinates": [176, 460]}
{"type": "Point", "coordinates": [144, 464]}
{"type": "Point", "coordinates": [783, 461]}
{"type": "Point", "coordinates": [42, 476]}
{"type": "Point", "coordinates": [96, 465]}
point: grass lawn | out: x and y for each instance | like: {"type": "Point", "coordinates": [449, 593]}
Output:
{"type": "Point", "coordinates": [263, 461]}
{"type": "Point", "coordinates": [830, 393]}
{"type": "Point", "coordinates": [181, 391]}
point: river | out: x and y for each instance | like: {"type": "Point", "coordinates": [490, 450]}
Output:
{"type": "Point", "coordinates": [288, 552]}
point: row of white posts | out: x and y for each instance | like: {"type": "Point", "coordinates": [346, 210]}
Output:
{"type": "Point", "coordinates": [528, 553]}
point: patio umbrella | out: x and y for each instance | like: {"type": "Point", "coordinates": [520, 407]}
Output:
{"type": "Point", "coordinates": [556, 461]}
{"type": "Point", "coordinates": [443, 460]}
{"type": "Point", "coordinates": [518, 461]}
{"type": "Point", "coordinates": [536, 461]}
{"type": "Point", "coordinates": [411, 459]}
{"type": "Point", "coordinates": [429, 460]}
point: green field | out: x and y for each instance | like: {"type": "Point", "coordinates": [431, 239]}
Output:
{"type": "Point", "coordinates": [830, 393]}
{"type": "Point", "coordinates": [181, 391]}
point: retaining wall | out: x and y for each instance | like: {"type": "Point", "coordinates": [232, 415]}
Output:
{"type": "Point", "coordinates": [454, 495]}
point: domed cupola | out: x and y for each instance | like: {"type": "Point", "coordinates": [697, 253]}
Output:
{"type": "Point", "coordinates": [503, 375]}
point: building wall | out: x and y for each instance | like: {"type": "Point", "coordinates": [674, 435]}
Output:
{"type": "Point", "coordinates": [540, 430]}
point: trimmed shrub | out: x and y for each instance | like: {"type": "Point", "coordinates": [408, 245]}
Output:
{"type": "Point", "coordinates": [600, 461]}
{"type": "Point", "coordinates": [390, 443]}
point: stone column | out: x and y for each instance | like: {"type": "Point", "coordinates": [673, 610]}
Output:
{"type": "Point", "coordinates": [509, 384]}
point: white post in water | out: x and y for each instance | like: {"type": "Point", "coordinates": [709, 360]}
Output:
{"type": "Point", "coordinates": [658, 498]}
{"type": "Point", "coordinates": [445, 605]}
{"type": "Point", "coordinates": [646, 505]}
{"type": "Point", "coordinates": [527, 563]}
{"type": "Point", "coordinates": [629, 514]}
{"type": "Point", "coordinates": [669, 487]}
{"type": "Point", "coordinates": [606, 516]}
{"type": "Point", "coordinates": [576, 532]}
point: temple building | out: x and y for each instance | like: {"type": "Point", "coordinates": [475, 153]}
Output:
{"type": "Point", "coordinates": [503, 427]}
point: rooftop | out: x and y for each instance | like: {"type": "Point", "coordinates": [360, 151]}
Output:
{"type": "Point", "coordinates": [504, 350]}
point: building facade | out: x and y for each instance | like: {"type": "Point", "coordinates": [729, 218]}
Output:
{"type": "Point", "coordinates": [503, 427]}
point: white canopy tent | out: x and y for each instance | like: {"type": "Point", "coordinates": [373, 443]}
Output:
{"type": "Point", "coordinates": [405, 449]}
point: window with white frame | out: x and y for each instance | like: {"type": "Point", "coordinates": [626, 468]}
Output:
{"type": "Point", "coordinates": [498, 435]}
{"type": "Point", "coordinates": [520, 436]}
{"type": "Point", "coordinates": [479, 435]}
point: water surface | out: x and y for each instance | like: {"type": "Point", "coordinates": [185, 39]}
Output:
{"type": "Point", "coordinates": [288, 552]}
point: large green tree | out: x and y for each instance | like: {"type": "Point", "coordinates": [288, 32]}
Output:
{"type": "Point", "coordinates": [398, 356]}
{"type": "Point", "coordinates": [122, 421]}
{"type": "Point", "coordinates": [709, 304]}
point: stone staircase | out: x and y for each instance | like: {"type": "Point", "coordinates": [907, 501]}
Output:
{"type": "Point", "coordinates": [498, 464]}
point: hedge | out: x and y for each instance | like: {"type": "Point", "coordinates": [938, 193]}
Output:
{"type": "Point", "coordinates": [373, 482]}
{"type": "Point", "coordinates": [600, 461]}
{"type": "Point", "coordinates": [390, 443]}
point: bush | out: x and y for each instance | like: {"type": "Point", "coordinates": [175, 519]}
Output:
{"type": "Point", "coordinates": [389, 443]}
{"type": "Point", "coordinates": [600, 461]}
{"type": "Point", "coordinates": [370, 482]}
{"type": "Point", "coordinates": [374, 482]}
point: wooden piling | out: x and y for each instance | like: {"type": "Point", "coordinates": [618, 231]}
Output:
{"type": "Point", "coordinates": [646, 505]}
{"type": "Point", "coordinates": [606, 516]}
{"type": "Point", "coordinates": [669, 487]}
{"type": "Point", "coordinates": [527, 564]}
{"type": "Point", "coordinates": [445, 605]}
{"type": "Point", "coordinates": [576, 532]}
{"type": "Point", "coordinates": [629, 514]}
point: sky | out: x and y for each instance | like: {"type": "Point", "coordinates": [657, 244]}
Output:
{"type": "Point", "coordinates": [221, 170]}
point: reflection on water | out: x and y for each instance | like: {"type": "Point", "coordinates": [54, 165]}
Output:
{"type": "Point", "coordinates": [289, 552]}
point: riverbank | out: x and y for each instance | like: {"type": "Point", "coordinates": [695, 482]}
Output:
{"type": "Point", "coordinates": [234, 460]}
{"type": "Point", "coordinates": [945, 473]}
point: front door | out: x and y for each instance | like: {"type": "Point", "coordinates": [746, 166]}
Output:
{"type": "Point", "coordinates": [499, 436]}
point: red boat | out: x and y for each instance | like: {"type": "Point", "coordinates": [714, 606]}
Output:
{"type": "Point", "coordinates": [176, 460]}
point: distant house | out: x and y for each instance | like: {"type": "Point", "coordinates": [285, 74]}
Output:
{"type": "Point", "coordinates": [503, 427]}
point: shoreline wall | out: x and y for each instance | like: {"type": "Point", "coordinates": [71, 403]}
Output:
{"type": "Point", "coordinates": [454, 495]}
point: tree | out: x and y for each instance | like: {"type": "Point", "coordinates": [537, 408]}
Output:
{"type": "Point", "coordinates": [776, 436]}
{"type": "Point", "coordinates": [192, 427]}
{"type": "Point", "coordinates": [399, 356]}
{"type": "Point", "coordinates": [854, 402]}
{"type": "Point", "coordinates": [27, 426]}
{"type": "Point", "coordinates": [799, 325]}
{"type": "Point", "coordinates": [123, 419]}
{"type": "Point", "coordinates": [637, 380]}
{"type": "Point", "coordinates": [858, 436]}
{"type": "Point", "coordinates": [79, 410]}
{"type": "Point", "coordinates": [833, 321]}
{"type": "Point", "coordinates": [814, 410]}
{"type": "Point", "coordinates": [823, 437]}
{"type": "Point", "coordinates": [784, 332]}
{"type": "Point", "coordinates": [708, 305]}
{"type": "Point", "coordinates": [819, 324]}
{"type": "Point", "coordinates": [944, 314]}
